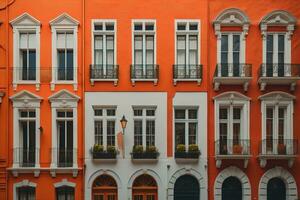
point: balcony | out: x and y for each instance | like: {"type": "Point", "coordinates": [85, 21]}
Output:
{"type": "Point", "coordinates": [148, 72]}
{"type": "Point", "coordinates": [187, 73]}
{"type": "Point", "coordinates": [104, 73]}
{"type": "Point", "coordinates": [274, 149]}
{"type": "Point", "coordinates": [229, 149]}
{"type": "Point", "coordinates": [26, 160]}
{"type": "Point", "coordinates": [64, 160]}
{"type": "Point", "coordinates": [139, 154]}
{"type": "Point", "coordinates": [232, 74]}
{"type": "Point", "coordinates": [279, 74]}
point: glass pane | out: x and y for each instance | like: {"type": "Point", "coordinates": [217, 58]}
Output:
{"type": "Point", "coordinates": [281, 43]}
{"type": "Point", "coordinates": [179, 133]}
{"type": "Point", "coordinates": [138, 112]}
{"type": "Point", "coordinates": [150, 133]}
{"type": "Point", "coordinates": [98, 112]}
{"type": "Point", "coordinates": [193, 113]}
{"type": "Point", "coordinates": [98, 57]}
{"type": "Point", "coordinates": [32, 65]}
{"type": "Point", "coordinates": [110, 27]}
{"type": "Point", "coordinates": [224, 43]}
{"type": "Point", "coordinates": [138, 27]}
{"type": "Point", "coordinates": [179, 114]}
{"type": "Point", "coordinates": [99, 132]}
{"type": "Point", "coordinates": [281, 124]}
{"type": "Point", "coordinates": [149, 27]}
{"type": "Point", "coordinates": [24, 65]}
{"type": "Point", "coordinates": [192, 133]}
{"type": "Point", "coordinates": [110, 112]}
{"type": "Point", "coordinates": [138, 132]}
{"type": "Point", "coordinates": [98, 42]}
{"type": "Point", "coordinates": [70, 66]}
{"type": "Point", "coordinates": [236, 43]}
{"type": "Point", "coordinates": [223, 114]}
{"type": "Point", "coordinates": [61, 63]}
{"type": "Point", "coordinates": [236, 113]}
{"type": "Point", "coordinates": [193, 27]}
{"type": "Point", "coordinates": [111, 133]}
{"type": "Point", "coordinates": [150, 112]}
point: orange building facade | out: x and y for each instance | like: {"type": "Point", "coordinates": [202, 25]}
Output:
{"type": "Point", "coordinates": [206, 92]}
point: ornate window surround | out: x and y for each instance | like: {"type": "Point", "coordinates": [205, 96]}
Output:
{"type": "Point", "coordinates": [25, 22]}
{"type": "Point", "coordinates": [25, 100]}
{"type": "Point", "coordinates": [64, 22]}
{"type": "Point", "coordinates": [64, 99]}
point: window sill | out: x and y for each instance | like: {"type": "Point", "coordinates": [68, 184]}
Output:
{"type": "Point", "coordinates": [64, 170]}
{"type": "Point", "coordinates": [244, 157]}
{"type": "Point", "coordinates": [154, 80]}
{"type": "Point", "coordinates": [16, 170]}
{"type": "Point", "coordinates": [263, 158]}
{"type": "Point", "coordinates": [56, 82]}
{"type": "Point", "coordinates": [104, 80]}
{"type": "Point", "coordinates": [36, 83]}
{"type": "Point", "coordinates": [187, 80]}
{"type": "Point", "coordinates": [285, 80]}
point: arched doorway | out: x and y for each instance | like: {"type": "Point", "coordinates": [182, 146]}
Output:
{"type": "Point", "coordinates": [144, 187]}
{"type": "Point", "coordinates": [105, 188]}
{"type": "Point", "coordinates": [186, 188]}
{"type": "Point", "coordinates": [276, 189]}
{"type": "Point", "coordinates": [232, 189]}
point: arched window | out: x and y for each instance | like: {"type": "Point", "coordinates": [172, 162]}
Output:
{"type": "Point", "coordinates": [186, 187]}
{"type": "Point", "coordinates": [104, 188]}
{"type": "Point", "coordinates": [276, 189]}
{"type": "Point", "coordinates": [65, 193]}
{"type": "Point", "coordinates": [144, 187]}
{"type": "Point", "coordinates": [26, 193]}
{"type": "Point", "coordinates": [232, 189]}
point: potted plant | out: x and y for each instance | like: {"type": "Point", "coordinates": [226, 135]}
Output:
{"type": "Point", "coordinates": [281, 149]}
{"type": "Point", "coordinates": [193, 151]}
{"type": "Point", "coordinates": [237, 149]}
{"type": "Point", "coordinates": [138, 152]}
{"type": "Point", "coordinates": [99, 153]}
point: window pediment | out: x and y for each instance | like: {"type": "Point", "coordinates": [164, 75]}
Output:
{"type": "Point", "coordinates": [232, 17]}
{"type": "Point", "coordinates": [64, 20]}
{"type": "Point", "coordinates": [277, 96]}
{"type": "Point", "coordinates": [25, 96]}
{"type": "Point", "coordinates": [25, 20]}
{"type": "Point", "coordinates": [63, 95]}
{"type": "Point", "coordinates": [231, 96]}
{"type": "Point", "coordinates": [278, 18]}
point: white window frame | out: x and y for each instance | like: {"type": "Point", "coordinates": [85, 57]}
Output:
{"type": "Point", "coordinates": [104, 118]}
{"type": "Point", "coordinates": [64, 100]}
{"type": "Point", "coordinates": [277, 100]}
{"type": "Point", "coordinates": [231, 100]}
{"type": "Point", "coordinates": [186, 122]}
{"type": "Point", "coordinates": [144, 118]}
{"type": "Point", "coordinates": [25, 100]}
{"type": "Point", "coordinates": [24, 183]}
{"type": "Point", "coordinates": [25, 23]}
{"type": "Point", "coordinates": [143, 33]}
{"type": "Point", "coordinates": [64, 23]}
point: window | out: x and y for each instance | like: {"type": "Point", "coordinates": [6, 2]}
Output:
{"type": "Point", "coordinates": [65, 193]}
{"type": "Point", "coordinates": [186, 123]}
{"type": "Point", "coordinates": [144, 55]}
{"type": "Point", "coordinates": [65, 137]}
{"type": "Point", "coordinates": [65, 57]}
{"type": "Point", "coordinates": [26, 193]}
{"type": "Point", "coordinates": [144, 126]}
{"type": "Point", "coordinates": [27, 70]}
{"type": "Point", "coordinates": [26, 50]}
{"type": "Point", "coordinates": [27, 152]}
{"type": "Point", "coordinates": [275, 54]}
{"type": "Point", "coordinates": [105, 126]}
{"type": "Point", "coordinates": [187, 43]}
{"type": "Point", "coordinates": [64, 30]}
{"type": "Point", "coordinates": [230, 53]}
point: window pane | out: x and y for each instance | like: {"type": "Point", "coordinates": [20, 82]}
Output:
{"type": "Point", "coordinates": [179, 114]}
{"type": "Point", "coordinates": [236, 43]}
{"type": "Point", "coordinates": [281, 43]}
{"type": "Point", "coordinates": [192, 133]}
{"type": "Point", "coordinates": [281, 124]}
{"type": "Point", "coordinates": [138, 132]}
{"type": "Point", "coordinates": [179, 133]}
{"type": "Point", "coordinates": [61, 63]}
{"type": "Point", "coordinates": [138, 27]}
{"type": "Point", "coordinates": [111, 133]}
{"type": "Point", "coordinates": [99, 132]}
{"type": "Point", "coordinates": [150, 112]}
{"type": "Point", "coordinates": [70, 66]}
{"type": "Point", "coordinates": [223, 113]}
{"type": "Point", "coordinates": [32, 65]}
{"type": "Point", "coordinates": [98, 112]}
{"type": "Point", "coordinates": [193, 27]}
{"type": "Point", "coordinates": [110, 27]}
{"type": "Point", "coordinates": [138, 50]}
{"type": "Point", "coordinates": [181, 27]}
{"type": "Point", "coordinates": [149, 27]}
{"type": "Point", "coordinates": [150, 133]}
{"type": "Point", "coordinates": [61, 114]}
{"type": "Point", "coordinates": [181, 50]}
{"type": "Point", "coordinates": [224, 43]}
{"type": "Point", "coordinates": [138, 112]}
{"type": "Point", "coordinates": [193, 113]}
{"type": "Point", "coordinates": [110, 112]}
{"type": "Point", "coordinates": [236, 113]}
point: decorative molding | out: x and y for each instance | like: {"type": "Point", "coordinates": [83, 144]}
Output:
{"type": "Point", "coordinates": [277, 96]}
{"type": "Point", "coordinates": [64, 20]}
{"type": "Point", "coordinates": [235, 172]}
{"type": "Point", "coordinates": [25, 20]}
{"type": "Point", "coordinates": [64, 182]}
{"type": "Point", "coordinates": [288, 179]}
{"type": "Point", "coordinates": [231, 96]}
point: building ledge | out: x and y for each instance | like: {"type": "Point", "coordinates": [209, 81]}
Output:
{"type": "Point", "coordinates": [244, 81]}
{"type": "Point", "coordinates": [64, 170]}
{"type": "Point", "coordinates": [263, 158]}
{"type": "Point", "coordinates": [104, 80]}
{"type": "Point", "coordinates": [25, 170]}
{"type": "Point", "coordinates": [244, 157]}
{"type": "Point", "coordinates": [286, 80]}
{"type": "Point", "coordinates": [187, 80]}
{"type": "Point", "coordinates": [155, 80]}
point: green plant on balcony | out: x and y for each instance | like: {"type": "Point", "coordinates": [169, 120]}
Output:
{"type": "Point", "coordinates": [237, 149]}
{"type": "Point", "coordinates": [111, 149]}
{"type": "Point", "coordinates": [193, 148]}
{"type": "Point", "coordinates": [98, 148]}
{"type": "Point", "coordinates": [151, 149]}
{"type": "Point", "coordinates": [137, 149]}
{"type": "Point", "coordinates": [180, 148]}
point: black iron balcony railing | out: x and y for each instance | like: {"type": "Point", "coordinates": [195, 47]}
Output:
{"type": "Point", "coordinates": [187, 72]}
{"type": "Point", "coordinates": [104, 71]}
{"type": "Point", "coordinates": [233, 70]}
{"type": "Point", "coordinates": [271, 147]}
{"type": "Point", "coordinates": [148, 71]}
{"type": "Point", "coordinates": [64, 156]}
{"type": "Point", "coordinates": [279, 70]}
{"type": "Point", "coordinates": [25, 157]}
{"type": "Point", "coordinates": [232, 147]}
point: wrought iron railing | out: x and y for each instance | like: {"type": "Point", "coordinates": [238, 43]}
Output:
{"type": "Point", "coordinates": [64, 156]}
{"type": "Point", "coordinates": [104, 71]}
{"type": "Point", "coordinates": [147, 71]}
{"type": "Point", "coordinates": [232, 147]}
{"type": "Point", "coordinates": [278, 147]}
{"type": "Point", "coordinates": [279, 70]}
{"type": "Point", "coordinates": [187, 71]}
{"type": "Point", "coordinates": [25, 157]}
{"type": "Point", "coordinates": [233, 70]}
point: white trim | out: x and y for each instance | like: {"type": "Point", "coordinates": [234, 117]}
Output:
{"type": "Point", "coordinates": [64, 22]}
{"type": "Point", "coordinates": [23, 183]}
{"type": "Point", "coordinates": [64, 100]}
{"type": "Point", "coordinates": [191, 172]}
{"type": "Point", "coordinates": [64, 182]}
{"type": "Point", "coordinates": [25, 100]}
{"type": "Point", "coordinates": [25, 23]}
{"type": "Point", "coordinates": [287, 177]}
{"type": "Point", "coordinates": [237, 173]}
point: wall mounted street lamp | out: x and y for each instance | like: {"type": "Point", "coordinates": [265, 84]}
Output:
{"type": "Point", "coordinates": [123, 122]}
